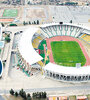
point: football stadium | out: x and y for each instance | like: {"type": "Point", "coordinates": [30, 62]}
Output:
{"type": "Point", "coordinates": [57, 51]}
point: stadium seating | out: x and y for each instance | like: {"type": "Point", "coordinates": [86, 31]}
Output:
{"type": "Point", "coordinates": [60, 28]}
{"type": "Point", "coordinates": [86, 37]}
{"type": "Point", "coordinates": [77, 32]}
{"type": "Point", "coordinates": [69, 31]}
{"type": "Point", "coordinates": [40, 63]}
{"type": "Point", "coordinates": [44, 32]}
{"type": "Point", "coordinates": [55, 29]}
{"type": "Point", "coordinates": [40, 38]}
{"type": "Point", "coordinates": [49, 32]}
{"type": "Point", "coordinates": [58, 31]}
{"type": "Point", "coordinates": [83, 35]}
{"type": "Point", "coordinates": [72, 31]}
{"type": "Point", "coordinates": [36, 42]}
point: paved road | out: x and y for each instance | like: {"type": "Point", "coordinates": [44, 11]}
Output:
{"type": "Point", "coordinates": [59, 88]}
{"type": "Point", "coordinates": [1, 98]}
{"type": "Point", "coordinates": [71, 88]}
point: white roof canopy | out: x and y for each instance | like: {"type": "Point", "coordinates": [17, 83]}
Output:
{"type": "Point", "coordinates": [67, 70]}
{"type": "Point", "coordinates": [87, 29]}
{"type": "Point", "coordinates": [25, 47]}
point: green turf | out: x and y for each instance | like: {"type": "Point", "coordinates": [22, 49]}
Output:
{"type": "Point", "coordinates": [67, 53]}
{"type": "Point", "coordinates": [10, 13]}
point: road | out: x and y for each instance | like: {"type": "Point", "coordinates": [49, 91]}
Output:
{"type": "Point", "coordinates": [1, 98]}
{"type": "Point", "coordinates": [58, 89]}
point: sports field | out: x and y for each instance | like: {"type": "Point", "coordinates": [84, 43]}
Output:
{"type": "Point", "coordinates": [10, 13]}
{"type": "Point", "coordinates": [67, 53]}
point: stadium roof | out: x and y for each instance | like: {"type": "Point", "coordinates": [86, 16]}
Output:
{"type": "Point", "coordinates": [25, 47]}
{"type": "Point", "coordinates": [86, 28]}
{"type": "Point", "coordinates": [67, 70]}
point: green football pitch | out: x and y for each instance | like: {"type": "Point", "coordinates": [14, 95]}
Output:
{"type": "Point", "coordinates": [10, 13]}
{"type": "Point", "coordinates": [67, 53]}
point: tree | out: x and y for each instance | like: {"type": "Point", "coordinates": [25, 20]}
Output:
{"type": "Point", "coordinates": [41, 94]}
{"type": "Point", "coordinates": [34, 22]}
{"type": "Point", "coordinates": [3, 64]}
{"type": "Point", "coordinates": [11, 92]}
{"type": "Point", "coordinates": [70, 21]}
{"type": "Point", "coordinates": [37, 95]}
{"type": "Point", "coordinates": [16, 94]}
{"type": "Point", "coordinates": [29, 22]}
{"type": "Point", "coordinates": [24, 23]}
{"type": "Point", "coordinates": [76, 3]}
{"type": "Point", "coordinates": [24, 95]}
{"type": "Point", "coordinates": [28, 97]}
{"type": "Point", "coordinates": [8, 35]}
{"type": "Point", "coordinates": [7, 39]}
{"type": "Point", "coordinates": [34, 95]}
{"type": "Point", "coordinates": [37, 21]}
{"type": "Point", "coordinates": [44, 95]}
{"type": "Point", "coordinates": [2, 24]}
{"type": "Point", "coordinates": [18, 65]}
{"type": "Point", "coordinates": [21, 92]}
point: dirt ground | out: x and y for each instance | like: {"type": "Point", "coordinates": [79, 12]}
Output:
{"type": "Point", "coordinates": [35, 13]}
{"type": "Point", "coordinates": [9, 97]}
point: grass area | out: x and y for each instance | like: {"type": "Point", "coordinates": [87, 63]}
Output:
{"type": "Point", "coordinates": [10, 13]}
{"type": "Point", "coordinates": [67, 53]}
{"type": "Point", "coordinates": [41, 47]}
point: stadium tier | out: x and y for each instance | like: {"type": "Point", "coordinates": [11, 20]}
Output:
{"type": "Point", "coordinates": [61, 30]}
{"type": "Point", "coordinates": [57, 52]}
{"type": "Point", "coordinates": [86, 37]}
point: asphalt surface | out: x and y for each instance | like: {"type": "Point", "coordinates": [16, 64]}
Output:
{"type": "Point", "coordinates": [1, 98]}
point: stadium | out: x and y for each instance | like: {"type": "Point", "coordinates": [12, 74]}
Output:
{"type": "Point", "coordinates": [56, 50]}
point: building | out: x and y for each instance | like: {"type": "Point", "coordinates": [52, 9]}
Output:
{"type": "Point", "coordinates": [15, 2]}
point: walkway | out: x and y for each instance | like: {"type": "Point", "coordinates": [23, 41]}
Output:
{"type": "Point", "coordinates": [9, 55]}
{"type": "Point", "coordinates": [1, 98]}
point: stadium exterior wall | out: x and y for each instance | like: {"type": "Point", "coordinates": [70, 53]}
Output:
{"type": "Point", "coordinates": [70, 74]}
